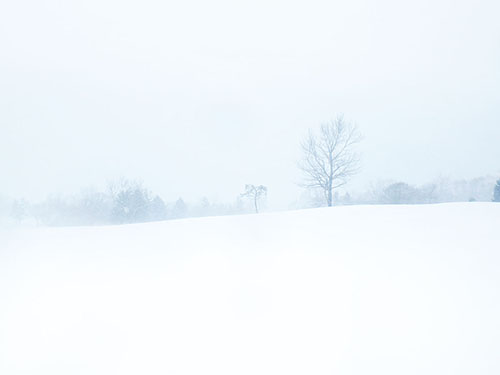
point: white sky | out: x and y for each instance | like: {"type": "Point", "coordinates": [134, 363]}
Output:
{"type": "Point", "coordinates": [198, 98]}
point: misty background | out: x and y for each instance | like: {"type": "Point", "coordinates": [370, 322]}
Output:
{"type": "Point", "coordinates": [197, 99]}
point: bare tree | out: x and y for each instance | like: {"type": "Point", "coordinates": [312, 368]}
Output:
{"type": "Point", "coordinates": [255, 193]}
{"type": "Point", "coordinates": [329, 158]}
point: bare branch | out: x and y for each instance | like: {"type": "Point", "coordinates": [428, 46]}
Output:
{"type": "Point", "coordinates": [329, 157]}
{"type": "Point", "coordinates": [255, 193]}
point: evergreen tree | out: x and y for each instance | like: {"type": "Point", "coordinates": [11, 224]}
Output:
{"type": "Point", "coordinates": [18, 211]}
{"type": "Point", "coordinates": [157, 209]}
{"type": "Point", "coordinates": [131, 203]}
{"type": "Point", "coordinates": [180, 209]}
{"type": "Point", "coordinates": [496, 192]}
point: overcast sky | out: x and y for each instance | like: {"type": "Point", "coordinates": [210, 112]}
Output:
{"type": "Point", "coordinates": [197, 98]}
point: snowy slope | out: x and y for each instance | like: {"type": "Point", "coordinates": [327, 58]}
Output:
{"type": "Point", "coordinates": [348, 290]}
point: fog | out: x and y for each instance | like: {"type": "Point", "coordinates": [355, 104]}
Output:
{"type": "Point", "coordinates": [249, 187]}
{"type": "Point", "coordinates": [200, 98]}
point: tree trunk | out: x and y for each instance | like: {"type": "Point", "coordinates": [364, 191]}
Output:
{"type": "Point", "coordinates": [330, 198]}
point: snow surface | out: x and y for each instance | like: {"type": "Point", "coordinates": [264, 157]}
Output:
{"type": "Point", "coordinates": [347, 290]}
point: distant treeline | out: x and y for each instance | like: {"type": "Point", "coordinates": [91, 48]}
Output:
{"type": "Point", "coordinates": [127, 201]}
{"type": "Point", "coordinates": [123, 202]}
{"type": "Point", "coordinates": [481, 189]}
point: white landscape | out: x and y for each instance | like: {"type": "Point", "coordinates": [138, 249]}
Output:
{"type": "Point", "coordinates": [343, 290]}
{"type": "Point", "coordinates": [249, 187]}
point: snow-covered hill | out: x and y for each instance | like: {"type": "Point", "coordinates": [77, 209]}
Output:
{"type": "Point", "coordinates": [349, 290]}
